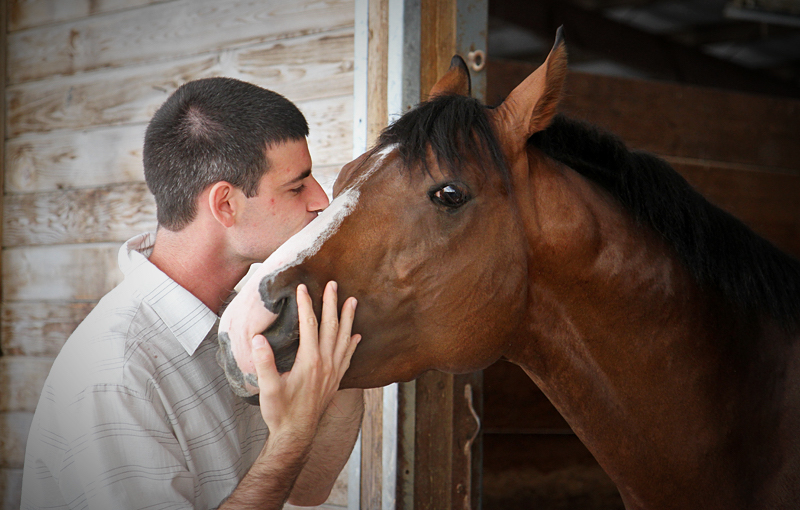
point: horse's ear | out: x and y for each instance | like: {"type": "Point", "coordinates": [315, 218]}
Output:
{"type": "Point", "coordinates": [532, 104]}
{"type": "Point", "coordinates": [455, 80]}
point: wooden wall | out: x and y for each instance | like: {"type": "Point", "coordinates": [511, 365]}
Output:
{"type": "Point", "coordinates": [83, 79]}
{"type": "Point", "coordinates": [741, 151]}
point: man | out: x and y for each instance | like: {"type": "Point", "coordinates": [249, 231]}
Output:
{"type": "Point", "coordinates": [136, 413]}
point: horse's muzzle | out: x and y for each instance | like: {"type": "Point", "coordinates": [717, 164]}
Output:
{"type": "Point", "coordinates": [282, 335]}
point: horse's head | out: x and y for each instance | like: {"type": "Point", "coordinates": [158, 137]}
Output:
{"type": "Point", "coordinates": [423, 231]}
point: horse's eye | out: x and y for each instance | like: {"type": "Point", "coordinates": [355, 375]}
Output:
{"type": "Point", "coordinates": [450, 195]}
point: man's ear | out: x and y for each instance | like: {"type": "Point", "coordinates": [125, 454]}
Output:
{"type": "Point", "coordinates": [224, 202]}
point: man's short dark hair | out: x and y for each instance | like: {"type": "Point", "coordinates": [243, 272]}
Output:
{"type": "Point", "coordinates": [211, 130]}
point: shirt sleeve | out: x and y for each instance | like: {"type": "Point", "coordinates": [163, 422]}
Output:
{"type": "Point", "coordinates": [117, 449]}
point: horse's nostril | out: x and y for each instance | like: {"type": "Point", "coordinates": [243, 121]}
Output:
{"type": "Point", "coordinates": [282, 333]}
{"type": "Point", "coordinates": [277, 307]}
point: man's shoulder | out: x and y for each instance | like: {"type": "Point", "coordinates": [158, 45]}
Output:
{"type": "Point", "coordinates": [118, 318]}
{"type": "Point", "coordinates": [99, 350]}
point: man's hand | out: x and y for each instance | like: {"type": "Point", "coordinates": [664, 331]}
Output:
{"type": "Point", "coordinates": [294, 402]}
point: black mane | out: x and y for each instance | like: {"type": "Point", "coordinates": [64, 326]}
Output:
{"type": "Point", "coordinates": [719, 250]}
{"type": "Point", "coordinates": [455, 128]}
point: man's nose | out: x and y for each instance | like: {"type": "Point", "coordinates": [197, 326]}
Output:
{"type": "Point", "coordinates": [318, 199]}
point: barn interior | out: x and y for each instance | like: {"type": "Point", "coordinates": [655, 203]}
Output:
{"type": "Point", "coordinates": [732, 67]}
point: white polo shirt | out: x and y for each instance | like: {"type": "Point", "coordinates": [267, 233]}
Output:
{"type": "Point", "coordinates": [136, 412]}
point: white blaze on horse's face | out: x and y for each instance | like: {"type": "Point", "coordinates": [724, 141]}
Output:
{"type": "Point", "coordinates": [247, 316]}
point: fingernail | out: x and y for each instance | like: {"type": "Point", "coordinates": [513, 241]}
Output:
{"type": "Point", "coordinates": [258, 342]}
{"type": "Point", "coordinates": [355, 303]}
{"type": "Point", "coordinates": [334, 286]}
{"type": "Point", "coordinates": [302, 288]}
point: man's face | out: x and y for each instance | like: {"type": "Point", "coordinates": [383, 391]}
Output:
{"type": "Point", "coordinates": [288, 199]}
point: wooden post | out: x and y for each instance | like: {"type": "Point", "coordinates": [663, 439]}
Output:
{"type": "Point", "coordinates": [371, 473]}
{"type": "Point", "coordinates": [3, 45]}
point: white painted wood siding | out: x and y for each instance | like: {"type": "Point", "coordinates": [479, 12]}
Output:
{"type": "Point", "coordinates": [83, 79]}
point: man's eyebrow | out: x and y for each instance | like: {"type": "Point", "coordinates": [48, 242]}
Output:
{"type": "Point", "coordinates": [299, 178]}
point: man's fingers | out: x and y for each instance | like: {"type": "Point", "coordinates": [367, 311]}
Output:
{"type": "Point", "coordinates": [309, 339]}
{"type": "Point", "coordinates": [264, 361]}
{"type": "Point", "coordinates": [329, 326]}
{"type": "Point", "coordinates": [343, 340]}
{"type": "Point", "coordinates": [348, 355]}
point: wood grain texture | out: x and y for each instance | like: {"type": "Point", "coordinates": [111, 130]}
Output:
{"type": "Point", "coordinates": [4, 8]}
{"type": "Point", "coordinates": [303, 68]}
{"type": "Point", "coordinates": [164, 31]}
{"type": "Point", "coordinates": [13, 437]}
{"type": "Point", "coordinates": [433, 442]}
{"type": "Point", "coordinates": [31, 13]}
{"type": "Point", "coordinates": [113, 213]}
{"type": "Point", "coordinates": [111, 155]}
{"type": "Point", "coordinates": [371, 449]}
{"type": "Point", "coordinates": [319, 65]}
{"type": "Point", "coordinates": [60, 273]}
{"type": "Point", "coordinates": [10, 487]}
{"type": "Point", "coordinates": [437, 41]}
{"type": "Point", "coordinates": [21, 381]}
{"type": "Point", "coordinates": [39, 328]}
{"type": "Point", "coordinates": [330, 122]}
{"type": "Point", "coordinates": [378, 69]}
{"type": "Point", "coordinates": [74, 159]}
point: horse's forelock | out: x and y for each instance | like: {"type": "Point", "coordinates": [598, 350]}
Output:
{"type": "Point", "coordinates": [455, 129]}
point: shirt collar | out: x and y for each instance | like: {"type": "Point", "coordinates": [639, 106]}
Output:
{"type": "Point", "coordinates": [186, 316]}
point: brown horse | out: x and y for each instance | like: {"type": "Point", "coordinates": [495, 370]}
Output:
{"type": "Point", "coordinates": [663, 330]}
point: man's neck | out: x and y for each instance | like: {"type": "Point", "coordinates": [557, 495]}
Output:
{"type": "Point", "coordinates": [199, 264]}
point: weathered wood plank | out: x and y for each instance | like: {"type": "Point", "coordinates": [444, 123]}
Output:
{"type": "Point", "coordinates": [31, 13]}
{"type": "Point", "coordinates": [301, 68]}
{"type": "Point", "coordinates": [13, 438]}
{"type": "Point", "coordinates": [164, 31]}
{"type": "Point", "coordinates": [60, 273]}
{"type": "Point", "coordinates": [433, 441]}
{"type": "Point", "coordinates": [39, 162]}
{"type": "Point", "coordinates": [10, 487]}
{"type": "Point", "coordinates": [111, 213]}
{"type": "Point", "coordinates": [330, 123]}
{"type": "Point", "coordinates": [371, 449]}
{"type": "Point", "coordinates": [100, 157]}
{"type": "Point", "coordinates": [122, 96]}
{"type": "Point", "coordinates": [74, 159]}
{"type": "Point", "coordinates": [39, 328]}
{"type": "Point", "coordinates": [3, 105]}
{"type": "Point", "coordinates": [21, 381]}
{"type": "Point", "coordinates": [319, 65]}
{"type": "Point", "coordinates": [691, 122]}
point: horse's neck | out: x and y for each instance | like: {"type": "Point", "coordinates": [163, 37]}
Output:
{"type": "Point", "coordinates": [630, 350]}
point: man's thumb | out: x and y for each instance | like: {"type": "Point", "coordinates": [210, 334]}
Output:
{"type": "Point", "coordinates": [262, 353]}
